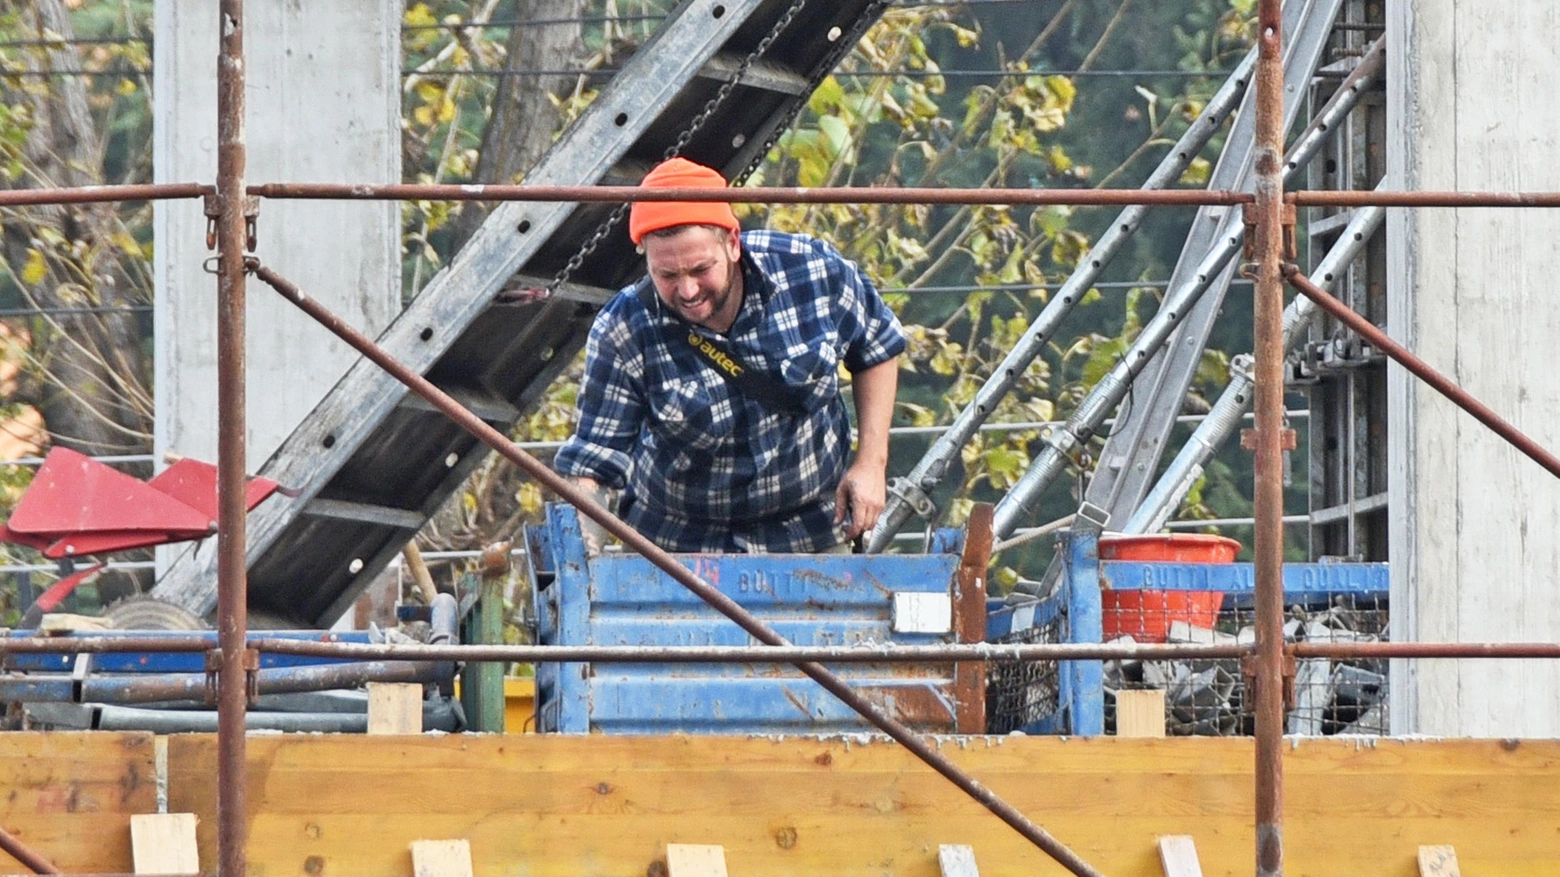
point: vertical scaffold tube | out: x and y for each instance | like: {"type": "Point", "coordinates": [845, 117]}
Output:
{"type": "Point", "coordinates": [232, 584]}
{"type": "Point", "coordinates": [1268, 251]}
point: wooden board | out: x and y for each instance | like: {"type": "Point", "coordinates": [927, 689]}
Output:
{"type": "Point", "coordinates": [1178, 856]}
{"type": "Point", "coordinates": [441, 858]}
{"type": "Point", "coordinates": [556, 805]}
{"type": "Point", "coordinates": [394, 708]}
{"type": "Point", "coordinates": [164, 843]}
{"type": "Point", "coordinates": [1438, 861]}
{"type": "Point", "coordinates": [695, 860]}
{"type": "Point", "coordinates": [69, 796]}
{"type": "Point", "coordinates": [1140, 713]}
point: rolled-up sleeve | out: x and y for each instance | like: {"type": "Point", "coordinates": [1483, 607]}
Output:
{"type": "Point", "coordinates": [869, 331]}
{"type": "Point", "coordinates": [611, 402]}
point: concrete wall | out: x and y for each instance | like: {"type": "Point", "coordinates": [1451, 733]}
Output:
{"type": "Point", "coordinates": [1474, 533]}
{"type": "Point", "coordinates": [323, 106]}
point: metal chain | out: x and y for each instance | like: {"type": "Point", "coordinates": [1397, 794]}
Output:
{"type": "Point", "coordinates": [842, 46]}
{"type": "Point", "coordinates": [725, 87]}
{"type": "Point", "coordinates": [693, 127]}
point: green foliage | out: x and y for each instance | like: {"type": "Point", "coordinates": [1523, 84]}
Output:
{"type": "Point", "coordinates": [449, 56]}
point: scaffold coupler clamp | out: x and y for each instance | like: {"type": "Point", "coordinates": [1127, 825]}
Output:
{"type": "Point", "coordinates": [913, 496]}
{"type": "Point", "coordinates": [1286, 439]}
{"type": "Point", "coordinates": [1070, 447]}
{"type": "Point", "coordinates": [1243, 365]}
{"type": "Point", "coordinates": [251, 667]}
{"type": "Point", "coordinates": [1287, 218]}
{"type": "Point", "coordinates": [1248, 669]}
{"type": "Point", "coordinates": [213, 209]}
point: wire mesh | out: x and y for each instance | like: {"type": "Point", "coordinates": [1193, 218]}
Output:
{"type": "Point", "coordinates": [1026, 695]}
{"type": "Point", "coordinates": [1208, 697]}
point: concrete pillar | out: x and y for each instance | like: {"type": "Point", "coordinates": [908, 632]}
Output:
{"type": "Point", "coordinates": [1474, 530]}
{"type": "Point", "coordinates": [323, 106]}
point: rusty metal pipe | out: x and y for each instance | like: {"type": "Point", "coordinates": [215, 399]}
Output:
{"type": "Point", "coordinates": [232, 572]}
{"type": "Point", "coordinates": [97, 645]}
{"type": "Point", "coordinates": [101, 194]}
{"type": "Point", "coordinates": [1267, 249]}
{"type": "Point", "coordinates": [1425, 650]}
{"type": "Point", "coordinates": [752, 194]}
{"type": "Point", "coordinates": [668, 564]}
{"type": "Point", "coordinates": [1378, 198]}
{"type": "Point", "coordinates": [149, 688]}
{"type": "Point", "coordinates": [953, 652]}
{"type": "Point", "coordinates": [1422, 370]}
{"type": "Point", "coordinates": [26, 855]}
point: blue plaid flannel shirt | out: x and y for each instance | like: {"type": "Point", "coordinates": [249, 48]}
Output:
{"type": "Point", "coordinates": [702, 466]}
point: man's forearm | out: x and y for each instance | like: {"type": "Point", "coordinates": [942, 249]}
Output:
{"type": "Point", "coordinates": [874, 389]}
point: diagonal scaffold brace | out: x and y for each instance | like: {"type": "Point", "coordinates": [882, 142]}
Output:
{"type": "Point", "coordinates": [637, 542]}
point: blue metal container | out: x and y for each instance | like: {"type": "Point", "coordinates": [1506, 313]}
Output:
{"type": "Point", "coordinates": [1072, 699]}
{"type": "Point", "coordinates": [824, 600]}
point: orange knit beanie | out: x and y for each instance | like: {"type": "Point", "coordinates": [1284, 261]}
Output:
{"type": "Point", "coordinates": [647, 216]}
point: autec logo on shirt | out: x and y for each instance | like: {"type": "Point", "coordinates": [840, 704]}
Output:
{"type": "Point", "coordinates": [713, 354]}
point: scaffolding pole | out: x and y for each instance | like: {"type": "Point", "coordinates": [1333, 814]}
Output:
{"type": "Point", "coordinates": [232, 574]}
{"type": "Point", "coordinates": [1266, 250]}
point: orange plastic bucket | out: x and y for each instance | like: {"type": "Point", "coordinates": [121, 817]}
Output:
{"type": "Point", "coordinates": [1146, 616]}
{"type": "Point", "coordinates": [1171, 547]}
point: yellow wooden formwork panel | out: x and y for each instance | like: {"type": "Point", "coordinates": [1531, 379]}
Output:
{"type": "Point", "coordinates": [68, 796]}
{"type": "Point", "coordinates": [519, 705]}
{"type": "Point", "coordinates": [561, 805]}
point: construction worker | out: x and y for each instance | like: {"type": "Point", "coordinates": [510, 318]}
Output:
{"type": "Point", "coordinates": [711, 395]}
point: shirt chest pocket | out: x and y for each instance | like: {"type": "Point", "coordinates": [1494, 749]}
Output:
{"type": "Point", "coordinates": [815, 371]}
{"type": "Point", "coordinates": [687, 415]}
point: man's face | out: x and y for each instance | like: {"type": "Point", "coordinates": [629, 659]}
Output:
{"type": "Point", "coordinates": [695, 273]}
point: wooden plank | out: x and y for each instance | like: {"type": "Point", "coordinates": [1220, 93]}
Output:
{"type": "Point", "coordinates": [604, 804]}
{"type": "Point", "coordinates": [69, 796]}
{"type": "Point", "coordinates": [365, 513]}
{"type": "Point", "coordinates": [1140, 713]}
{"type": "Point", "coordinates": [441, 858]}
{"type": "Point", "coordinates": [957, 860]}
{"type": "Point", "coordinates": [1178, 856]}
{"type": "Point", "coordinates": [164, 843]}
{"type": "Point", "coordinates": [695, 860]}
{"type": "Point", "coordinates": [1438, 861]}
{"type": "Point", "coordinates": [394, 708]}
{"type": "Point", "coordinates": [759, 74]}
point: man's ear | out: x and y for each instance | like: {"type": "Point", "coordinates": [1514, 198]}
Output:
{"type": "Point", "coordinates": [733, 243]}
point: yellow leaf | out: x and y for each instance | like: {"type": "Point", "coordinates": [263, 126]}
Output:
{"type": "Point", "coordinates": [530, 499]}
{"type": "Point", "coordinates": [128, 244]}
{"type": "Point", "coordinates": [419, 15]}
{"type": "Point", "coordinates": [446, 110]}
{"type": "Point", "coordinates": [423, 115]}
{"type": "Point", "coordinates": [34, 271]}
{"type": "Point", "coordinates": [126, 87]}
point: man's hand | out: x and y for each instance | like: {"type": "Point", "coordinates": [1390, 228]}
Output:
{"type": "Point", "coordinates": [862, 495]}
{"type": "Point", "coordinates": [864, 490]}
{"type": "Point", "coordinates": [592, 533]}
